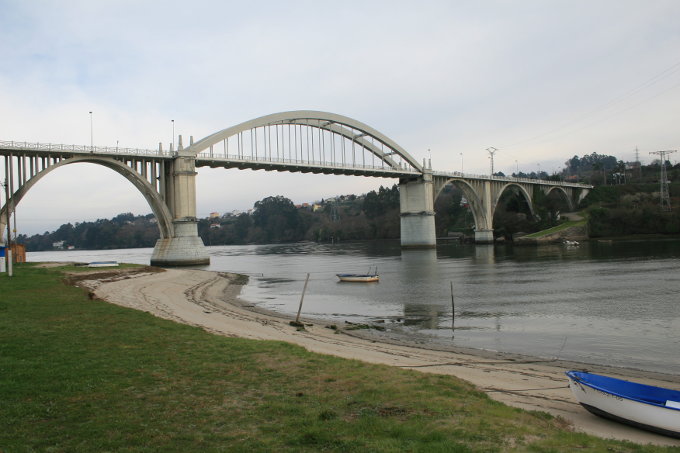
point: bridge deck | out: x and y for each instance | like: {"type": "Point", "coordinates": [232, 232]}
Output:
{"type": "Point", "coordinates": [249, 162]}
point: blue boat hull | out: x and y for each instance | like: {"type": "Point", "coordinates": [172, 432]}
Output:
{"type": "Point", "coordinates": [651, 408]}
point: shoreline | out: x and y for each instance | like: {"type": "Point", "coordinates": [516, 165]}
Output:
{"type": "Point", "coordinates": [210, 300]}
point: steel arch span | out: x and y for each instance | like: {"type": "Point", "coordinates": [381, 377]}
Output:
{"type": "Point", "coordinates": [306, 141]}
{"type": "Point", "coordinates": [152, 197]}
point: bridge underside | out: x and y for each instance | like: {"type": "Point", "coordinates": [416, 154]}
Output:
{"type": "Point", "coordinates": [301, 167]}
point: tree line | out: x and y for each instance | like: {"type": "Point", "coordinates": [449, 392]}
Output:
{"type": "Point", "coordinates": [273, 219]}
{"type": "Point", "coordinates": [628, 205]}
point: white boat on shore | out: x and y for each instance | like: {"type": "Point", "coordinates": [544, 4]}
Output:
{"type": "Point", "coordinates": [103, 264]}
{"type": "Point", "coordinates": [644, 406]}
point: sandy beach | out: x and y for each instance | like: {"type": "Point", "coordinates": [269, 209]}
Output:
{"type": "Point", "coordinates": [210, 300]}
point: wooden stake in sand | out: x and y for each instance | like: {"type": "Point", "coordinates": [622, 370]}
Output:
{"type": "Point", "coordinates": [297, 318]}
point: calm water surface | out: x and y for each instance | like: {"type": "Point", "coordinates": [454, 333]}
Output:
{"type": "Point", "coordinates": [612, 304]}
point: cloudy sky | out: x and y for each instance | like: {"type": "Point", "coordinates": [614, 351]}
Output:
{"type": "Point", "coordinates": [540, 80]}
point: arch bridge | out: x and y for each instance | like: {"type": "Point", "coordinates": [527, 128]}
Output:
{"type": "Point", "coordinates": [298, 141]}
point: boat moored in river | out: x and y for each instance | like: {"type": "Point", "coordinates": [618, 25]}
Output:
{"type": "Point", "coordinates": [644, 406]}
{"type": "Point", "coordinates": [360, 278]}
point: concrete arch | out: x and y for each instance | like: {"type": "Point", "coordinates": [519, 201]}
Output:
{"type": "Point", "coordinates": [332, 122]}
{"type": "Point", "coordinates": [475, 202]}
{"type": "Point", "coordinates": [152, 197]}
{"type": "Point", "coordinates": [522, 190]}
{"type": "Point", "coordinates": [563, 191]}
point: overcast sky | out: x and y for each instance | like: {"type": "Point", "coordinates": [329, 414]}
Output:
{"type": "Point", "coordinates": [541, 81]}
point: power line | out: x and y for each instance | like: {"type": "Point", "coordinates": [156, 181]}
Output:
{"type": "Point", "coordinates": [675, 68]}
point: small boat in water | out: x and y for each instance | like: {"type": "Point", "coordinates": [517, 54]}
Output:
{"type": "Point", "coordinates": [644, 406]}
{"type": "Point", "coordinates": [363, 278]}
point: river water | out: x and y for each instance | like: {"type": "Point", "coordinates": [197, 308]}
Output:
{"type": "Point", "coordinates": [613, 304]}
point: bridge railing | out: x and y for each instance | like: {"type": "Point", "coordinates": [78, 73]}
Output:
{"type": "Point", "coordinates": [457, 174]}
{"type": "Point", "coordinates": [279, 161]}
{"type": "Point", "coordinates": [81, 149]}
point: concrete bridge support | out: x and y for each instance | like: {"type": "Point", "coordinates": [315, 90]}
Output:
{"type": "Point", "coordinates": [416, 199]}
{"type": "Point", "coordinates": [484, 227]}
{"type": "Point", "coordinates": [178, 185]}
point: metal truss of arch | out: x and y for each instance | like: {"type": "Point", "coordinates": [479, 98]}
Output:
{"type": "Point", "coordinates": [128, 171]}
{"type": "Point", "coordinates": [306, 141]}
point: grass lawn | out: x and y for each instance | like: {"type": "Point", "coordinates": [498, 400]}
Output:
{"type": "Point", "coordinates": [84, 375]}
{"type": "Point", "coordinates": [555, 229]}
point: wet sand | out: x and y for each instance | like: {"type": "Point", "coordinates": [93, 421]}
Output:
{"type": "Point", "coordinates": [210, 300]}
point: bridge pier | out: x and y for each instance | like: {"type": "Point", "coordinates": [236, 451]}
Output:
{"type": "Point", "coordinates": [184, 247]}
{"type": "Point", "coordinates": [416, 202]}
{"type": "Point", "coordinates": [484, 230]}
{"type": "Point", "coordinates": [483, 236]}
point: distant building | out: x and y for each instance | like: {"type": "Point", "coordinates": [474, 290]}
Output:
{"type": "Point", "coordinates": [58, 245]}
{"type": "Point", "coordinates": [214, 215]}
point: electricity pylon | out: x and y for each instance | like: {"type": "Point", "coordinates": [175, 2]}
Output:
{"type": "Point", "coordinates": [665, 196]}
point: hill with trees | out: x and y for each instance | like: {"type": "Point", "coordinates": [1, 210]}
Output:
{"type": "Point", "coordinates": [625, 201]}
{"type": "Point", "coordinates": [374, 215]}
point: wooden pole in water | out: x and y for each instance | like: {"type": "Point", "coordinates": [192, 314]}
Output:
{"type": "Point", "coordinates": [453, 307]}
{"type": "Point", "coordinates": [297, 318]}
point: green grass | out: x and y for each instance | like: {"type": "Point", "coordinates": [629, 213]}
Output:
{"type": "Point", "coordinates": [560, 227]}
{"type": "Point", "coordinates": [84, 375]}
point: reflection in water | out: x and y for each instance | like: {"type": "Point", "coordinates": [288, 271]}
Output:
{"type": "Point", "coordinates": [485, 254]}
{"type": "Point", "coordinates": [610, 303]}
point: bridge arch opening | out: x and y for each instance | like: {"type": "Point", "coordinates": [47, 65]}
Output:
{"type": "Point", "coordinates": [559, 200]}
{"type": "Point", "coordinates": [513, 212]}
{"type": "Point", "coordinates": [79, 183]}
{"type": "Point", "coordinates": [457, 209]}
